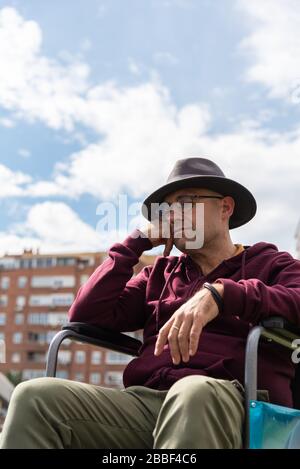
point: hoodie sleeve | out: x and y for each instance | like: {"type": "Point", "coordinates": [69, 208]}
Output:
{"type": "Point", "coordinates": [111, 297]}
{"type": "Point", "coordinates": [253, 300]}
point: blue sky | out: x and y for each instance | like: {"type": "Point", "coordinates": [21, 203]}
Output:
{"type": "Point", "coordinates": [100, 97]}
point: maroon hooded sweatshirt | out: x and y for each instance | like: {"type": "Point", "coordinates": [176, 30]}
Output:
{"type": "Point", "coordinates": [258, 282]}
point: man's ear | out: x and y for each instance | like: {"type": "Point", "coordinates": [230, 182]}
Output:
{"type": "Point", "coordinates": [228, 206]}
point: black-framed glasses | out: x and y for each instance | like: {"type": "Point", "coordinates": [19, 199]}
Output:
{"type": "Point", "coordinates": [184, 202]}
{"type": "Point", "coordinates": [192, 199]}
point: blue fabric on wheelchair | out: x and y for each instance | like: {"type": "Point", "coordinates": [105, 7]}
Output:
{"type": "Point", "coordinates": [273, 426]}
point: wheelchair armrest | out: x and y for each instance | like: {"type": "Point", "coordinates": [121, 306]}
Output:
{"type": "Point", "coordinates": [277, 322]}
{"type": "Point", "coordinates": [93, 335]}
{"type": "Point", "coordinates": [105, 338]}
{"type": "Point", "coordinates": [280, 331]}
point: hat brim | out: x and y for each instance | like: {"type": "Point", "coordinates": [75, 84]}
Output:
{"type": "Point", "coordinates": [245, 204]}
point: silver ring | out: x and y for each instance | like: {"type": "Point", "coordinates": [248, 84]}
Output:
{"type": "Point", "coordinates": [176, 327]}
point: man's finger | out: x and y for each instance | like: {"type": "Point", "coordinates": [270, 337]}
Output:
{"type": "Point", "coordinates": [170, 242]}
{"type": "Point", "coordinates": [173, 343]}
{"type": "Point", "coordinates": [161, 339]}
{"type": "Point", "coordinates": [168, 247]}
{"type": "Point", "coordinates": [184, 337]}
{"type": "Point", "coordinates": [194, 336]}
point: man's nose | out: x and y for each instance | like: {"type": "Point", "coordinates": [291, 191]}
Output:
{"type": "Point", "coordinates": [171, 217]}
{"type": "Point", "coordinates": [174, 217]}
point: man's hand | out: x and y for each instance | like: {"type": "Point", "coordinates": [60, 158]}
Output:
{"type": "Point", "coordinates": [184, 328]}
{"type": "Point", "coordinates": [156, 233]}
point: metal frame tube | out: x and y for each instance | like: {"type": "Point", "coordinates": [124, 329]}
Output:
{"type": "Point", "coordinates": [251, 375]}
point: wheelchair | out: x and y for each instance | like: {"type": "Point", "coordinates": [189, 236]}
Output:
{"type": "Point", "coordinates": [266, 426]}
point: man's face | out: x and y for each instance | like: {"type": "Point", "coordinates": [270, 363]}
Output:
{"type": "Point", "coordinates": [204, 218]}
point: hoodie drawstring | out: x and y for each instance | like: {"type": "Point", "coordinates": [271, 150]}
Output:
{"type": "Point", "coordinates": [163, 291]}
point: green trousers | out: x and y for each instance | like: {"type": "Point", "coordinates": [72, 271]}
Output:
{"type": "Point", "coordinates": [196, 412]}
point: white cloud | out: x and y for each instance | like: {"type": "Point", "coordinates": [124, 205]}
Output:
{"type": "Point", "coordinates": [102, 9]}
{"type": "Point", "coordinates": [273, 46]}
{"type": "Point", "coordinates": [165, 58]}
{"type": "Point", "coordinates": [24, 152]}
{"type": "Point", "coordinates": [142, 130]}
{"type": "Point", "coordinates": [134, 124]}
{"type": "Point", "coordinates": [12, 183]}
{"type": "Point", "coordinates": [35, 87]}
{"type": "Point", "coordinates": [55, 227]}
{"type": "Point", "coordinates": [134, 67]}
{"type": "Point", "coordinates": [176, 3]}
{"type": "Point", "coordinates": [86, 44]}
{"type": "Point", "coordinates": [8, 123]}
{"type": "Point", "coordinates": [44, 189]}
{"type": "Point", "coordinates": [56, 223]}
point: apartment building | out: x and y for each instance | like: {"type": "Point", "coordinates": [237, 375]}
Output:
{"type": "Point", "coordinates": [36, 292]}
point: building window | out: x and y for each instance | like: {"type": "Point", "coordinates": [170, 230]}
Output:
{"type": "Point", "coordinates": [48, 319]}
{"type": "Point", "coordinates": [2, 352]}
{"type": "Point", "coordinates": [2, 319]}
{"type": "Point", "coordinates": [45, 262]}
{"type": "Point", "coordinates": [38, 319]}
{"type": "Point", "coordinates": [80, 356]}
{"type": "Point", "coordinates": [2, 348]}
{"type": "Point", "coordinates": [114, 378]}
{"type": "Point", "coordinates": [3, 300]}
{"type": "Point", "coordinates": [40, 300]}
{"type": "Point", "coordinates": [62, 299]}
{"type": "Point", "coordinates": [65, 261]}
{"type": "Point", "coordinates": [25, 263]}
{"type": "Point", "coordinates": [115, 358]}
{"type": "Point", "coordinates": [20, 301]}
{"type": "Point", "coordinates": [79, 377]}
{"type": "Point", "coordinates": [95, 378]}
{"type": "Point", "coordinates": [53, 281]}
{"type": "Point", "coordinates": [4, 283]}
{"type": "Point", "coordinates": [30, 374]}
{"type": "Point", "coordinates": [36, 357]}
{"type": "Point", "coordinates": [64, 357]}
{"type": "Point", "coordinates": [17, 337]}
{"type": "Point", "coordinates": [19, 318]}
{"type": "Point", "coordinates": [96, 358]}
{"type": "Point", "coordinates": [9, 264]}
{"type": "Point", "coordinates": [34, 337]}
{"type": "Point", "coordinates": [22, 281]}
{"type": "Point", "coordinates": [83, 279]}
{"type": "Point", "coordinates": [57, 319]}
{"type": "Point", "coordinates": [62, 374]}
{"type": "Point", "coordinates": [83, 262]}
{"type": "Point", "coordinates": [42, 337]}
{"type": "Point", "coordinates": [16, 357]}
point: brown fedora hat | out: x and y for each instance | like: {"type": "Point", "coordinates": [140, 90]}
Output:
{"type": "Point", "coordinates": [204, 173]}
